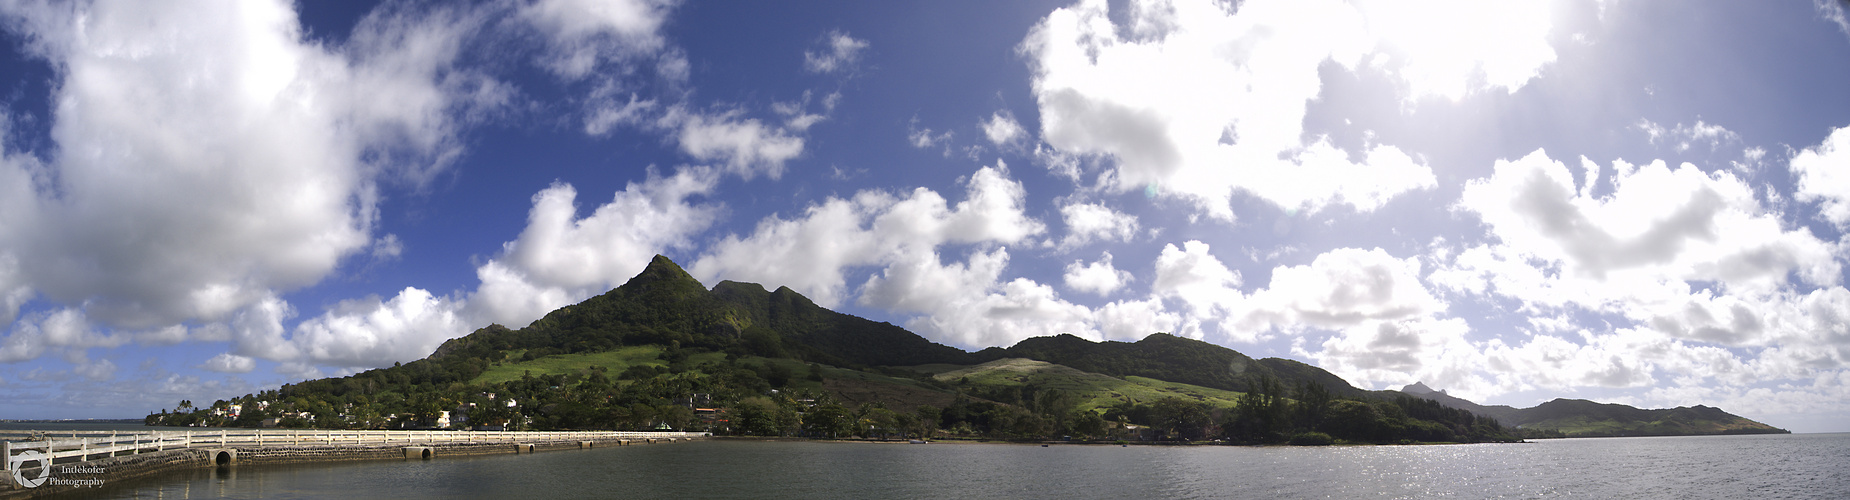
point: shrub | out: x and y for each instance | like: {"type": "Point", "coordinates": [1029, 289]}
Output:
{"type": "Point", "coordinates": [1311, 439]}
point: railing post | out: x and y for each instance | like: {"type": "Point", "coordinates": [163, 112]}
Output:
{"type": "Point", "coordinates": [83, 446]}
{"type": "Point", "coordinates": [6, 455]}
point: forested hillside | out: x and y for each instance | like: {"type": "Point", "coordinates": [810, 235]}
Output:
{"type": "Point", "coordinates": [664, 352]}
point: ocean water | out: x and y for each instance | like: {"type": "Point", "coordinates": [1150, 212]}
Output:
{"type": "Point", "coordinates": [1769, 466]}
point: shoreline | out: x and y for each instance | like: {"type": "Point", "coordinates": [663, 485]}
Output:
{"type": "Point", "coordinates": [1081, 443]}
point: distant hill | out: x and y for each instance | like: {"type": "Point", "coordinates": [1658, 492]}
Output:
{"type": "Point", "coordinates": [1163, 356]}
{"type": "Point", "coordinates": [662, 346]}
{"type": "Point", "coordinates": [1582, 418]}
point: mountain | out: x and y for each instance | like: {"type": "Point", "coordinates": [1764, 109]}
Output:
{"type": "Point", "coordinates": [665, 305]}
{"type": "Point", "coordinates": [1163, 356]}
{"type": "Point", "coordinates": [652, 351]}
{"type": "Point", "coordinates": [1582, 418]}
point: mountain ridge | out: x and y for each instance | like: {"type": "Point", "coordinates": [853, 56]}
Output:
{"type": "Point", "coordinates": [741, 340]}
{"type": "Point", "coordinates": [1584, 418]}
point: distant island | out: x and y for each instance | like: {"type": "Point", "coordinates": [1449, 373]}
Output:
{"type": "Point", "coordinates": [665, 352]}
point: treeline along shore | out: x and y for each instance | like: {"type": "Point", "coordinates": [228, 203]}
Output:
{"type": "Point", "coordinates": [51, 462]}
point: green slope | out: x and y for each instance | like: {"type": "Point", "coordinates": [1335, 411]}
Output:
{"type": "Point", "coordinates": [1092, 390]}
{"type": "Point", "coordinates": [1582, 418]}
{"type": "Point", "coordinates": [1167, 357]}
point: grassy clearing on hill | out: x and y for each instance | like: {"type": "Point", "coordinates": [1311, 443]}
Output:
{"type": "Point", "coordinates": [615, 361]}
{"type": "Point", "coordinates": [1093, 390]}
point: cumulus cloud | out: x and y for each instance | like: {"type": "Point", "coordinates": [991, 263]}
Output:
{"type": "Point", "coordinates": [1099, 277]}
{"type": "Point", "coordinates": [230, 363]}
{"type": "Point", "coordinates": [67, 330]}
{"type": "Point", "coordinates": [1345, 287]}
{"type": "Point", "coordinates": [1390, 354]}
{"type": "Point", "coordinates": [224, 157]}
{"type": "Point", "coordinates": [560, 258]}
{"type": "Point", "coordinates": [1206, 288]}
{"type": "Point", "coordinates": [1707, 286]}
{"type": "Point", "coordinates": [1195, 101]}
{"type": "Point", "coordinates": [969, 304]}
{"type": "Point", "coordinates": [1660, 227]}
{"type": "Point", "coordinates": [1444, 48]}
{"type": "Point", "coordinates": [839, 54]}
{"type": "Point", "coordinates": [368, 332]}
{"type": "Point", "coordinates": [1088, 222]}
{"type": "Point", "coordinates": [810, 254]}
{"type": "Point", "coordinates": [1823, 173]}
{"type": "Point", "coordinates": [1001, 128]}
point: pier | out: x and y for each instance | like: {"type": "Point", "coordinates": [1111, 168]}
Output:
{"type": "Point", "coordinates": [31, 457]}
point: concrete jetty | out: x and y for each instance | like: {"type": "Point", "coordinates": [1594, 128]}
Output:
{"type": "Point", "coordinates": [66, 461]}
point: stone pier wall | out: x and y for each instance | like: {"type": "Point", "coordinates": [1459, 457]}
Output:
{"type": "Point", "coordinates": [126, 468]}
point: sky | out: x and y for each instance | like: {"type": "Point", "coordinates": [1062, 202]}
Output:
{"type": "Point", "coordinates": [1640, 202]}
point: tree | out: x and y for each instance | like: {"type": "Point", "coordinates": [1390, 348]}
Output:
{"type": "Point", "coordinates": [1089, 424]}
{"type": "Point", "coordinates": [928, 418]}
{"type": "Point", "coordinates": [1353, 420]}
{"type": "Point", "coordinates": [1181, 419]}
{"type": "Point", "coordinates": [829, 420]}
{"type": "Point", "coordinates": [1261, 414]}
{"type": "Point", "coordinates": [756, 416]}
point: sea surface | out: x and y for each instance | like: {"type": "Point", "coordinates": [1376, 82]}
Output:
{"type": "Point", "coordinates": [1767, 466]}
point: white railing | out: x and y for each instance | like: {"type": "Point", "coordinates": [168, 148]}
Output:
{"type": "Point", "coordinates": [86, 444]}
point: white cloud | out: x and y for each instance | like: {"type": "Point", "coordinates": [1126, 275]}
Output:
{"type": "Point", "coordinates": [1001, 128]}
{"type": "Point", "coordinates": [745, 146]}
{"type": "Point", "coordinates": [1201, 282]}
{"type": "Point", "coordinates": [388, 247]}
{"type": "Point", "coordinates": [257, 331]}
{"type": "Point", "coordinates": [968, 304]}
{"type": "Point", "coordinates": [560, 258]}
{"type": "Point", "coordinates": [796, 114]}
{"type": "Point", "coordinates": [1451, 48]}
{"type": "Point", "coordinates": [1132, 320]}
{"type": "Point", "coordinates": [98, 370]}
{"type": "Point", "coordinates": [1707, 286]}
{"type": "Point", "coordinates": [224, 158]}
{"type": "Point", "coordinates": [229, 363]}
{"type": "Point", "coordinates": [1194, 101]}
{"type": "Point", "coordinates": [923, 138]}
{"type": "Point", "coordinates": [839, 56]}
{"type": "Point", "coordinates": [810, 254]}
{"type": "Point", "coordinates": [1087, 222]}
{"type": "Point", "coordinates": [13, 289]}
{"type": "Point", "coordinates": [1345, 287]}
{"type": "Point", "coordinates": [1684, 136]}
{"type": "Point", "coordinates": [1823, 173]}
{"type": "Point", "coordinates": [582, 34]}
{"type": "Point", "coordinates": [367, 332]}
{"type": "Point", "coordinates": [1390, 354]}
{"type": "Point", "coordinates": [65, 330]}
{"type": "Point", "coordinates": [1833, 11]}
{"type": "Point", "coordinates": [1098, 277]}
{"type": "Point", "coordinates": [1659, 228]}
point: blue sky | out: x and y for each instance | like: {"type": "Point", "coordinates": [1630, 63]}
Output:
{"type": "Point", "coordinates": [1630, 201]}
